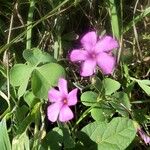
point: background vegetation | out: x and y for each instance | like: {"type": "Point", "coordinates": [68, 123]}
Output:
{"type": "Point", "coordinates": [34, 32]}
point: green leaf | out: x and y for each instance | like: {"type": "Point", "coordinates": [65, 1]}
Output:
{"type": "Point", "coordinates": [4, 139]}
{"type": "Point", "coordinates": [89, 98]}
{"type": "Point", "coordinates": [40, 85]}
{"type": "Point", "coordinates": [67, 139]}
{"type": "Point", "coordinates": [23, 87]}
{"type": "Point", "coordinates": [144, 84]}
{"type": "Point", "coordinates": [30, 99]}
{"type": "Point", "coordinates": [98, 114]}
{"type": "Point", "coordinates": [37, 56]}
{"type": "Point", "coordinates": [145, 87]}
{"type": "Point", "coordinates": [19, 73]}
{"type": "Point", "coordinates": [19, 76]}
{"type": "Point", "coordinates": [120, 101]}
{"type": "Point", "coordinates": [20, 113]}
{"type": "Point", "coordinates": [102, 112]}
{"type": "Point", "coordinates": [45, 77]}
{"type": "Point", "coordinates": [115, 24]}
{"type": "Point", "coordinates": [53, 140]}
{"type": "Point", "coordinates": [29, 119]}
{"type": "Point", "coordinates": [110, 86]}
{"type": "Point", "coordinates": [52, 72]}
{"type": "Point", "coordinates": [116, 135]}
{"type": "Point", "coordinates": [21, 142]}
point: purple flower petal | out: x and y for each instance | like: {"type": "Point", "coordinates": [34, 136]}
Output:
{"type": "Point", "coordinates": [106, 44]}
{"type": "Point", "coordinates": [54, 95]}
{"type": "Point", "coordinates": [106, 63]}
{"type": "Point", "coordinates": [72, 97]}
{"type": "Point", "coordinates": [144, 136]}
{"type": "Point", "coordinates": [78, 55]}
{"type": "Point", "coordinates": [89, 40]}
{"type": "Point", "coordinates": [53, 111]}
{"type": "Point", "coordinates": [87, 68]}
{"type": "Point", "coordinates": [62, 85]}
{"type": "Point", "coordinates": [65, 114]}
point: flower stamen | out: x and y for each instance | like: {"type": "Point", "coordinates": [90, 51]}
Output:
{"type": "Point", "coordinates": [65, 101]}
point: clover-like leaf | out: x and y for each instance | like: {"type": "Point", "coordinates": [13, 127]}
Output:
{"type": "Point", "coordinates": [110, 85]}
{"type": "Point", "coordinates": [44, 77]}
{"type": "Point", "coordinates": [37, 56]}
{"type": "Point", "coordinates": [89, 98]}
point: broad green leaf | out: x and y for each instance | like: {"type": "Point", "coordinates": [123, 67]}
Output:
{"type": "Point", "coordinates": [84, 142]}
{"type": "Point", "coordinates": [21, 142]}
{"type": "Point", "coordinates": [44, 77]}
{"type": "Point", "coordinates": [4, 139]}
{"type": "Point", "coordinates": [37, 56]}
{"type": "Point", "coordinates": [19, 73]}
{"type": "Point", "coordinates": [110, 86]}
{"type": "Point", "coordinates": [30, 99]}
{"type": "Point", "coordinates": [89, 98]}
{"type": "Point", "coordinates": [116, 135]}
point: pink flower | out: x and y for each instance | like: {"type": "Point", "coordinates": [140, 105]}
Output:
{"type": "Point", "coordinates": [144, 136]}
{"type": "Point", "coordinates": [61, 100]}
{"type": "Point", "coordinates": [95, 51]}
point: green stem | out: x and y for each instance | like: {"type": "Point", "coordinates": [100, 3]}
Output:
{"type": "Point", "coordinates": [83, 116]}
{"type": "Point", "coordinates": [29, 24]}
{"type": "Point", "coordinates": [114, 18]}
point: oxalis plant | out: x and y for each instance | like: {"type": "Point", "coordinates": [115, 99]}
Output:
{"type": "Point", "coordinates": [80, 94]}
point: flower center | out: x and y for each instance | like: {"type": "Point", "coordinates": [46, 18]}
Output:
{"type": "Point", "coordinates": [93, 55]}
{"type": "Point", "coordinates": [65, 101]}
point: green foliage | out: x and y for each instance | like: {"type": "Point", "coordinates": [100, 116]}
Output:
{"type": "Point", "coordinates": [120, 101]}
{"type": "Point", "coordinates": [45, 32]}
{"type": "Point", "coordinates": [116, 135]}
{"type": "Point", "coordinates": [36, 56]}
{"type": "Point", "coordinates": [89, 98]}
{"type": "Point", "coordinates": [56, 138]}
{"type": "Point", "coordinates": [144, 84]}
{"type": "Point", "coordinates": [45, 77]}
{"type": "Point", "coordinates": [21, 142]}
{"type": "Point", "coordinates": [30, 99]}
{"type": "Point", "coordinates": [42, 77]}
{"type": "Point", "coordinates": [110, 86]}
{"type": "Point", "coordinates": [4, 138]}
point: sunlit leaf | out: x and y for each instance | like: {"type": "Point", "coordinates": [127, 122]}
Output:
{"type": "Point", "coordinates": [116, 135]}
